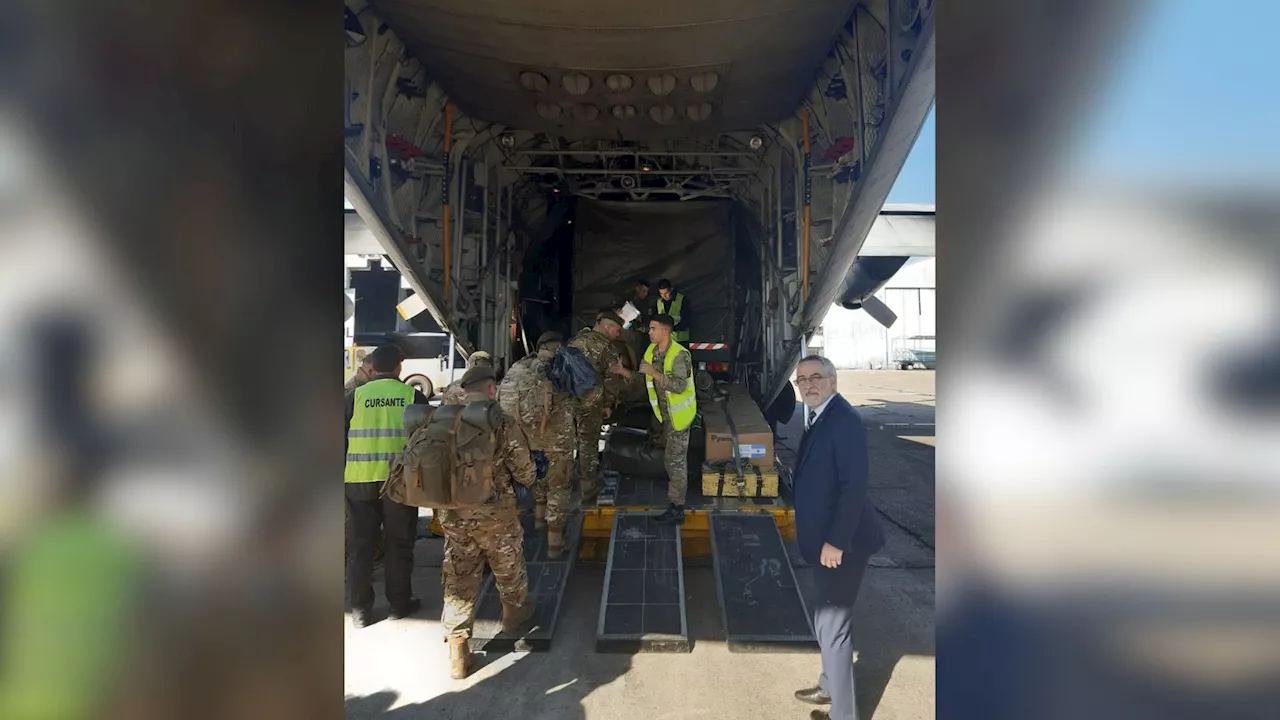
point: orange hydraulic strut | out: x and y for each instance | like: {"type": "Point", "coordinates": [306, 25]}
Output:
{"type": "Point", "coordinates": [808, 195]}
{"type": "Point", "coordinates": [448, 183]}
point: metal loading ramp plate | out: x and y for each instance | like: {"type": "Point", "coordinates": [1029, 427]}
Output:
{"type": "Point", "coordinates": [642, 604]}
{"type": "Point", "coordinates": [547, 582]}
{"type": "Point", "coordinates": [760, 601]}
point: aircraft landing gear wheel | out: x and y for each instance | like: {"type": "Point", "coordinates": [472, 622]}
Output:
{"type": "Point", "coordinates": [421, 383]}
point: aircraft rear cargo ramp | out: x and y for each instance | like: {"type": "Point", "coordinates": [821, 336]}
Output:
{"type": "Point", "coordinates": [477, 130]}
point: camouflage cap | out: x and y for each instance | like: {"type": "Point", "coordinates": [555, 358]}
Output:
{"type": "Point", "coordinates": [478, 355]}
{"type": "Point", "coordinates": [477, 375]}
{"type": "Point", "coordinates": [550, 337]}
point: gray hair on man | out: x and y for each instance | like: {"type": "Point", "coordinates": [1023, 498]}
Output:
{"type": "Point", "coordinates": [828, 368]}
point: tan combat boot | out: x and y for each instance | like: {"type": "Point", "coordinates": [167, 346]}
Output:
{"type": "Point", "coordinates": [555, 542]}
{"type": "Point", "coordinates": [459, 658]}
{"type": "Point", "coordinates": [539, 516]}
{"type": "Point", "coordinates": [513, 616]}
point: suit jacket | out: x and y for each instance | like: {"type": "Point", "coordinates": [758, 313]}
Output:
{"type": "Point", "coordinates": [831, 501]}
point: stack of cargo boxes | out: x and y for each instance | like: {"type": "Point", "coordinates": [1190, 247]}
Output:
{"type": "Point", "coordinates": [740, 459]}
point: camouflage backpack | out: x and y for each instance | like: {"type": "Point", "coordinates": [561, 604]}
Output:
{"type": "Point", "coordinates": [448, 461]}
{"type": "Point", "coordinates": [525, 394]}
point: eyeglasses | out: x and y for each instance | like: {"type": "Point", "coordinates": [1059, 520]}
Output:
{"type": "Point", "coordinates": [809, 379]}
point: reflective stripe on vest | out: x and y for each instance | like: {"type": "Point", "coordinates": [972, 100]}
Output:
{"type": "Point", "coordinates": [377, 429]}
{"type": "Point", "coordinates": [681, 406]}
{"type": "Point", "coordinates": [677, 306]}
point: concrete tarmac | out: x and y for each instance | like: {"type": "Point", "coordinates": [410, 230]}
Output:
{"type": "Point", "coordinates": [399, 670]}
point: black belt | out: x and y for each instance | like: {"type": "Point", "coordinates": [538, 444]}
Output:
{"type": "Point", "coordinates": [739, 480]}
{"type": "Point", "coordinates": [737, 459]}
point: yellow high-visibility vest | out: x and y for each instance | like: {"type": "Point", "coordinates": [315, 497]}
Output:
{"type": "Point", "coordinates": [61, 648]}
{"type": "Point", "coordinates": [682, 407]}
{"type": "Point", "coordinates": [377, 429]}
{"type": "Point", "coordinates": [677, 306]}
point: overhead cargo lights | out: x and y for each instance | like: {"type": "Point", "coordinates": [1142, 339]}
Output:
{"type": "Point", "coordinates": [699, 112]}
{"type": "Point", "coordinates": [662, 114]}
{"type": "Point", "coordinates": [586, 113]}
{"type": "Point", "coordinates": [704, 82]}
{"type": "Point", "coordinates": [576, 83]}
{"type": "Point", "coordinates": [508, 140]}
{"type": "Point", "coordinates": [618, 83]}
{"type": "Point", "coordinates": [575, 100]}
{"type": "Point", "coordinates": [756, 142]}
{"type": "Point", "coordinates": [661, 85]}
{"type": "Point", "coordinates": [533, 82]}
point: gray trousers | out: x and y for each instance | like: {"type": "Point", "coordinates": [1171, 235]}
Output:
{"type": "Point", "coordinates": [836, 593]}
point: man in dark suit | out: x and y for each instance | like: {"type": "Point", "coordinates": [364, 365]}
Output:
{"type": "Point", "coordinates": [836, 527]}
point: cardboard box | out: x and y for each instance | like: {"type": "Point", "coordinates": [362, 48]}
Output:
{"type": "Point", "coordinates": [755, 439]}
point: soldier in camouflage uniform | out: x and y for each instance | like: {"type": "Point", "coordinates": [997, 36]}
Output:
{"type": "Point", "coordinates": [678, 380]}
{"type": "Point", "coordinates": [454, 394]}
{"type": "Point", "coordinates": [554, 440]}
{"type": "Point", "coordinates": [643, 300]}
{"type": "Point", "coordinates": [363, 374]}
{"type": "Point", "coordinates": [489, 533]}
{"type": "Point", "coordinates": [593, 409]}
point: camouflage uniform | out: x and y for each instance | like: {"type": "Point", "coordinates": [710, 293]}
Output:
{"type": "Point", "coordinates": [589, 410]}
{"type": "Point", "coordinates": [648, 307]}
{"type": "Point", "coordinates": [675, 442]}
{"type": "Point", "coordinates": [490, 533]}
{"type": "Point", "coordinates": [454, 394]}
{"type": "Point", "coordinates": [353, 382]}
{"type": "Point", "coordinates": [555, 441]}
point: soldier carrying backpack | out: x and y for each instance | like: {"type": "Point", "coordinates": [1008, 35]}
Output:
{"type": "Point", "coordinates": [546, 417]}
{"type": "Point", "coordinates": [461, 461]}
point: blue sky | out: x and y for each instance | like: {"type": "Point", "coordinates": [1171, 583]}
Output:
{"type": "Point", "coordinates": [1192, 94]}
{"type": "Point", "coordinates": [915, 182]}
{"type": "Point", "coordinates": [1188, 94]}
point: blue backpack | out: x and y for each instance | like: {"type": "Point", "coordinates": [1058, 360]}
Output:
{"type": "Point", "coordinates": [571, 372]}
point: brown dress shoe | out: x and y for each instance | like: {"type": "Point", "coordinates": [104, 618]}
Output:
{"type": "Point", "coordinates": [814, 696]}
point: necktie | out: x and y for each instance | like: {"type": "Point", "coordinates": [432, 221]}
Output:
{"type": "Point", "coordinates": [813, 417]}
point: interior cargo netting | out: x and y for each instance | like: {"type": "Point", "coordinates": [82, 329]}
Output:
{"type": "Point", "coordinates": [689, 243]}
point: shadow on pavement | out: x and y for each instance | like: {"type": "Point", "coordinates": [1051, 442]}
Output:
{"type": "Point", "coordinates": [533, 687]}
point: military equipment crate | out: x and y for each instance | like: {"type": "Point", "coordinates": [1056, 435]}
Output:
{"type": "Point", "coordinates": [722, 480]}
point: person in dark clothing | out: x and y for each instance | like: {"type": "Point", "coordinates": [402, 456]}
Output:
{"type": "Point", "coordinates": [836, 527]}
{"type": "Point", "coordinates": [375, 435]}
{"type": "Point", "coordinates": [644, 301]}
